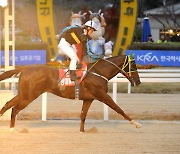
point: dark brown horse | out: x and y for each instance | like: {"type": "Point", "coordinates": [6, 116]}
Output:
{"type": "Point", "coordinates": [35, 80]}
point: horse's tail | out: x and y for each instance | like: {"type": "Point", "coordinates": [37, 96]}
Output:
{"type": "Point", "coordinates": [10, 73]}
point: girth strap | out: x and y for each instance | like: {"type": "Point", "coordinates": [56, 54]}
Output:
{"type": "Point", "coordinates": [100, 76]}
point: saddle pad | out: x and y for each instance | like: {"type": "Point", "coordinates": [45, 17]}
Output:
{"type": "Point", "coordinates": [64, 75]}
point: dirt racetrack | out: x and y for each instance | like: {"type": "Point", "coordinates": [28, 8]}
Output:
{"type": "Point", "coordinates": [60, 135]}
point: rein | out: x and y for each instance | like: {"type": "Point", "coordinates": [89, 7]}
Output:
{"type": "Point", "coordinates": [126, 62]}
{"type": "Point", "coordinates": [93, 65]}
{"type": "Point", "coordinates": [121, 70]}
{"type": "Point", "coordinates": [128, 76]}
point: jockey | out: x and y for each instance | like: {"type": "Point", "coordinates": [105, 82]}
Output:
{"type": "Point", "coordinates": [73, 35]}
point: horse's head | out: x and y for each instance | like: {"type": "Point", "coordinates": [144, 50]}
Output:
{"type": "Point", "coordinates": [129, 69]}
{"type": "Point", "coordinates": [76, 18]}
{"type": "Point", "coordinates": [100, 22]}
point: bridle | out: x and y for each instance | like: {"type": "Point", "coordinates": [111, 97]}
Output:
{"type": "Point", "coordinates": [128, 62]}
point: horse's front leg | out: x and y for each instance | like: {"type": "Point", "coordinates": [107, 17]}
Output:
{"type": "Point", "coordinates": [105, 98]}
{"type": "Point", "coordinates": [85, 108]}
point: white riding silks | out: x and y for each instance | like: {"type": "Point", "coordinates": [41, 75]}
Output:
{"type": "Point", "coordinates": [64, 48]}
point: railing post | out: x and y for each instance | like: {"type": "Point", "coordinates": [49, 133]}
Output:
{"type": "Point", "coordinates": [115, 91]}
{"type": "Point", "coordinates": [44, 106]}
{"type": "Point", "coordinates": [106, 114]}
{"type": "Point", "coordinates": [129, 87]}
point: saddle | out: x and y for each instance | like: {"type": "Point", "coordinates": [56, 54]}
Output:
{"type": "Point", "coordinates": [64, 75]}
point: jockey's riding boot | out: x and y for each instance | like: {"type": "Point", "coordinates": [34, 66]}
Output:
{"type": "Point", "coordinates": [73, 75]}
{"type": "Point", "coordinates": [79, 66]}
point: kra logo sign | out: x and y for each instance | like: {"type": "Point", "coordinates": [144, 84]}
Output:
{"type": "Point", "coordinates": [147, 57]}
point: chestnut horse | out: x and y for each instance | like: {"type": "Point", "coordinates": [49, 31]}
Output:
{"type": "Point", "coordinates": [37, 79]}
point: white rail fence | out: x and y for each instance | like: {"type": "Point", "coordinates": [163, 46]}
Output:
{"type": "Point", "coordinates": [13, 87]}
{"type": "Point", "coordinates": [146, 75]}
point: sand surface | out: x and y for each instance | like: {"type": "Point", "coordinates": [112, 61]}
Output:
{"type": "Point", "coordinates": [60, 135]}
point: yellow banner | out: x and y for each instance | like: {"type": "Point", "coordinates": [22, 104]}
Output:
{"type": "Point", "coordinates": [46, 25]}
{"type": "Point", "coordinates": [127, 22]}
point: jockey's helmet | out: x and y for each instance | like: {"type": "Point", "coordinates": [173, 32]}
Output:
{"type": "Point", "coordinates": [91, 24]}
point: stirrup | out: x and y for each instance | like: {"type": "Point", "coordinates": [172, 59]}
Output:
{"type": "Point", "coordinates": [76, 90]}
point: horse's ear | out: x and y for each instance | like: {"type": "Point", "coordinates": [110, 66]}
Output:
{"type": "Point", "coordinates": [102, 14]}
{"type": "Point", "coordinates": [131, 56]}
{"type": "Point", "coordinates": [103, 22]}
{"type": "Point", "coordinates": [99, 11]}
{"type": "Point", "coordinates": [90, 12]}
{"type": "Point", "coordinates": [79, 13]}
{"type": "Point", "coordinates": [84, 14]}
{"type": "Point", "coordinates": [72, 13]}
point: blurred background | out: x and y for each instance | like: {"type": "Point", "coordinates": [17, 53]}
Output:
{"type": "Point", "coordinates": [163, 19]}
{"type": "Point", "coordinates": [167, 12]}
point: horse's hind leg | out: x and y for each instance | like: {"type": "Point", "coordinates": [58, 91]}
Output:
{"type": "Point", "coordinates": [16, 109]}
{"type": "Point", "coordinates": [85, 108]}
{"type": "Point", "coordinates": [13, 118]}
{"type": "Point", "coordinates": [13, 102]}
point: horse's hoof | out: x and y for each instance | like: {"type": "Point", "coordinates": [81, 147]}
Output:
{"type": "Point", "coordinates": [82, 132]}
{"type": "Point", "coordinates": [11, 130]}
{"type": "Point", "coordinates": [138, 125]}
